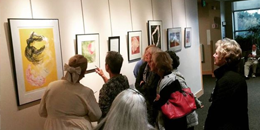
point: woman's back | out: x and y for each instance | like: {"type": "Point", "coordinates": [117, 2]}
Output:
{"type": "Point", "coordinates": [69, 106]}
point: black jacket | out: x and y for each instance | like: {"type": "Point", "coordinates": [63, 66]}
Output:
{"type": "Point", "coordinates": [228, 110]}
{"type": "Point", "coordinates": [148, 89]}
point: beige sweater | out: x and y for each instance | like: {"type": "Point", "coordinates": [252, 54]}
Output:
{"type": "Point", "coordinates": [69, 106]}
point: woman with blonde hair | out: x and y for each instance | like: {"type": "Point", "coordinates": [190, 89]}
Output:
{"type": "Point", "coordinates": [229, 99]}
{"type": "Point", "coordinates": [146, 82]}
{"type": "Point", "coordinates": [127, 112]}
{"type": "Point", "coordinates": [66, 103]}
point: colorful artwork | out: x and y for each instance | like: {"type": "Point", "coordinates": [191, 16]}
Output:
{"type": "Point", "coordinates": [88, 46]}
{"type": "Point", "coordinates": [89, 51]}
{"type": "Point", "coordinates": [135, 44]}
{"type": "Point", "coordinates": [174, 39]}
{"type": "Point", "coordinates": [187, 41]}
{"type": "Point", "coordinates": [38, 57]}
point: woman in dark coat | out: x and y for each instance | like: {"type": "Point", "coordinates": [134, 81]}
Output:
{"type": "Point", "coordinates": [228, 110]}
{"type": "Point", "coordinates": [161, 64]}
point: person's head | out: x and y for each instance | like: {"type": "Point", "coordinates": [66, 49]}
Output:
{"type": "Point", "coordinates": [175, 59]}
{"type": "Point", "coordinates": [161, 63]}
{"type": "Point", "coordinates": [254, 47]}
{"type": "Point", "coordinates": [114, 61]}
{"type": "Point", "coordinates": [127, 112]}
{"type": "Point", "coordinates": [76, 68]}
{"type": "Point", "coordinates": [149, 51]}
{"type": "Point", "coordinates": [228, 51]}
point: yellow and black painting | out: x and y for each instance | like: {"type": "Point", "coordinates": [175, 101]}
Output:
{"type": "Point", "coordinates": [38, 57]}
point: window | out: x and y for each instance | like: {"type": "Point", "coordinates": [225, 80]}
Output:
{"type": "Point", "coordinates": [246, 14]}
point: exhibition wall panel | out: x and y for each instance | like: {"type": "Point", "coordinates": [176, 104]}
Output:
{"type": "Point", "coordinates": [13, 117]}
{"type": "Point", "coordinates": [97, 20]}
{"type": "Point", "coordinates": [141, 12]}
{"type": "Point", "coordinates": [70, 18]}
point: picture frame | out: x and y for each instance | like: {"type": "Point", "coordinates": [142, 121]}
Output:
{"type": "Point", "coordinates": [134, 39]}
{"type": "Point", "coordinates": [174, 39]}
{"type": "Point", "coordinates": [88, 46]}
{"type": "Point", "coordinates": [155, 33]}
{"type": "Point", "coordinates": [187, 37]}
{"type": "Point", "coordinates": [114, 43]}
{"type": "Point", "coordinates": [37, 57]}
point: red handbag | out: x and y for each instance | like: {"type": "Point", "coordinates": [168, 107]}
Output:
{"type": "Point", "coordinates": [180, 104]}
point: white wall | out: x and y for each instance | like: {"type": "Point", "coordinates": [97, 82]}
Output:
{"type": "Point", "coordinates": [106, 17]}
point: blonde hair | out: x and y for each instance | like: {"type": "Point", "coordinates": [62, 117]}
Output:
{"type": "Point", "coordinates": [152, 49]}
{"type": "Point", "coordinates": [229, 49]}
{"type": "Point", "coordinates": [163, 62]}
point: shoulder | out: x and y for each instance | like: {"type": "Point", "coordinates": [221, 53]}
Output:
{"type": "Point", "coordinates": [231, 77]}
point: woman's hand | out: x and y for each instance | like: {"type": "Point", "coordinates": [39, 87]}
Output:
{"type": "Point", "coordinates": [157, 97]}
{"type": "Point", "coordinates": [141, 82]}
{"type": "Point", "coordinates": [99, 71]}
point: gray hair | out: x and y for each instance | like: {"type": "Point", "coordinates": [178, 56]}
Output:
{"type": "Point", "coordinates": [127, 112]}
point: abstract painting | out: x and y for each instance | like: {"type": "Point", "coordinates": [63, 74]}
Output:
{"type": "Point", "coordinates": [134, 45]}
{"type": "Point", "coordinates": [37, 56]}
{"type": "Point", "coordinates": [88, 46]}
{"type": "Point", "coordinates": [155, 34]}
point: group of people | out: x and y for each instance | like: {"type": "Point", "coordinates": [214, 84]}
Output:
{"type": "Point", "coordinates": [68, 105]}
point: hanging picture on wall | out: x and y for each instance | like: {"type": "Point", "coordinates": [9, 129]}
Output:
{"type": "Point", "coordinates": [37, 56]}
{"type": "Point", "coordinates": [114, 44]}
{"type": "Point", "coordinates": [155, 33]}
{"type": "Point", "coordinates": [187, 34]}
{"type": "Point", "coordinates": [134, 45]}
{"type": "Point", "coordinates": [88, 46]}
{"type": "Point", "coordinates": [174, 39]}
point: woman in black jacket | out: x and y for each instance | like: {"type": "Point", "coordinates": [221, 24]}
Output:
{"type": "Point", "coordinates": [228, 110]}
{"type": "Point", "coordinates": [146, 83]}
{"type": "Point", "coordinates": [161, 64]}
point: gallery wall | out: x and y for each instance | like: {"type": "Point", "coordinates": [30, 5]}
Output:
{"type": "Point", "coordinates": [106, 17]}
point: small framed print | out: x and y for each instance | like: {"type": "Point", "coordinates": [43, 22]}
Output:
{"type": "Point", "coordinates": [155, 34]}
{"type": "Point", "coordinates": [134, 45]}
{"type": "Point", "coordinates": [187, 40]}
{"type": "Point", "coordinates": [114, 44]}
{"type": "Point", "coordinates": [88, 46]}
{"type": "Point", "coordinates": [174, 37]}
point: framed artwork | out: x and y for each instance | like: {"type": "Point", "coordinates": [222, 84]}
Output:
{"type": "Point", "coordinates": [88, 46]}
{"type": "Point", "coordinates": [174, 39]}
{"type": "Point", "coordinates": [37, 58]}
{"type": "Point", "coordinates": [187, 40]}
{"type": "Point", "coordinates": [114, 43]}
{"type": "Point", "coordinates": [134, 45]}
{"type": "Point", "coordinates": [155, 33]}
